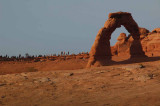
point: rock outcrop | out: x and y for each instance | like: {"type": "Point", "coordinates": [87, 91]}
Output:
{"type": "Point", "coordinates": [123, 43]}
{"type": "Point", "coordinates": [150, 42]}
{"type": "Point", "coordinates": [156, 30]}
{"type": "Point", "coordinates": [100, 52]}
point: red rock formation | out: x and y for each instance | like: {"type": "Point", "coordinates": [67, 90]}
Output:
{"type": "Point", "coordinates": [143, 33]}
{"type": "Point", "coordinates": [100, 52]}
{"type": "Point", "coordinates": [156, 30]}
{"type": "Point", "coordinates": [150, 42]}
{"type": "Point", "coordinates": [123, 43]}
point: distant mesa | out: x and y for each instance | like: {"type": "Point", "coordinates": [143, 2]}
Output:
{"type": "Point", "coordinates": [101, 53]}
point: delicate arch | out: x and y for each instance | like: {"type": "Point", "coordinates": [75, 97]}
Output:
{"type": "Point", "coordinates": [100, 51]}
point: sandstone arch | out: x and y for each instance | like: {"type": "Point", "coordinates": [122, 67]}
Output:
{"type": "Point", "coordinates": [100, 52]}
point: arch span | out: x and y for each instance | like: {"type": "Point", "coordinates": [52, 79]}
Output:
{"type": "Point", "coordinates": [100, 52]}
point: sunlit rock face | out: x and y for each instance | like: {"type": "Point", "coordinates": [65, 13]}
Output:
{"type": "Point", "coordinates": [151, 44]}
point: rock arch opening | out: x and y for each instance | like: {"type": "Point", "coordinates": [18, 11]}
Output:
{"type": "Point", "coordinates": [100, 53]}
{"type": "Point", "coordinates": [116, 34]}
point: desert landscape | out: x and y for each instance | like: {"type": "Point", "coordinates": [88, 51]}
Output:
{"type": "Point", "coordinates": [79, 53]}
{"type": "Point", "coordinates": [66, 80]}
{"type": "Point", "coordinates": [68, 83]}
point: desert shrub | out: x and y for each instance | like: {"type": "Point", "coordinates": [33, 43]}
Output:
{"type": "Point", "coordinates": [27, 55]}
{"type": "Point", "coordinates": [40, 55]}
{"type": "Point", "coordinates": [141, 66]}
{"type": "Point", "coordinates": [54, 54]}
{"type": "Point", "coordinates": [31, 69]}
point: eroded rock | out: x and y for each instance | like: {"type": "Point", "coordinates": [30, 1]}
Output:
{"type": "Point", "coordinates": [100, 53]}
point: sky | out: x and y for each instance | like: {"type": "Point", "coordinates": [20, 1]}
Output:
{"type": "Point", "coordinates": [51, 26]}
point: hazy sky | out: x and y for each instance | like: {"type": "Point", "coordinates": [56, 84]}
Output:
{"type": "Point", "coordinates": [51, 26]}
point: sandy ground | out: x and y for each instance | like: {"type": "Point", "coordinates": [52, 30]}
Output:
{"type": "Point", "coordinates": [124, 82]}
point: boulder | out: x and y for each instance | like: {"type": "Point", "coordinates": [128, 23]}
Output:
{"type": "Point", "coordinates": [156, 30]}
